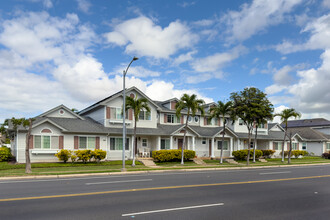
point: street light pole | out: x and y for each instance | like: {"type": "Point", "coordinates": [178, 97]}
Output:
{"type": "Point", "coordinates": [124, 111]}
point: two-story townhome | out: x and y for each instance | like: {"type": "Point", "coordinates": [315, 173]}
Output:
{"type": "Point", "coordinates": [99, 126]}
{"type": "Point", "coordinates": [312, 135]}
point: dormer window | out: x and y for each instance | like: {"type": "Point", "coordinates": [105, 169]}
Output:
{"type": "Point", "coordinates": [262, 126]}
{"type": "Point", "coordinates": [116, 113]}
{"type": "Point", "coordinates": [144, 115]}
{"type": "Point", "coordinates": [172, 119]}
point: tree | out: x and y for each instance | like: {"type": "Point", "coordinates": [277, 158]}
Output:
{"type": "Point", "coordinates": [285, 115]}
{"type": "Point", "coordinates": [264, 112]}
{"type": "Point", "coordinates": [191, 104]}
{"type": "Point", "coordinates": [221, 110]}
{"type": "Point", "coordinates": [74, 110]}
{"type": "Point", "coordinates": [247, 107]}
{"type": "Point", "coordinates": [137, 105]}
{"type": "Point", "coordinates": [26, 123]}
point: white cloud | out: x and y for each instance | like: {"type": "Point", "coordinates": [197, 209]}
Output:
{"type": "Point", "coordinates": [186, 4]}
{"type": "Point", "coordinates": [275, 88]}
{"type": "Point", "coordinates": [319, 30]}
{"type": "Point", "coordinates": [184, 57]}
{"type": "Point", "coordinates": [282, 76]}
{"type": "Point", "coordinates": [142, 37]}
{"type": "Point", "coordinates": [137, 71]}
{"type": "Point", "coordinates": [84, 5]}
{"type": "Point", "coordinates": [256, 17]}
{"type": "Point", "coordinates": [326, 3]}
{"type": "Point", "coordinates": [217, 61]}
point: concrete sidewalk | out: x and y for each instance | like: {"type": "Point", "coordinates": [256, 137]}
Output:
{"type": "Point", "coordinates": [151, 171]}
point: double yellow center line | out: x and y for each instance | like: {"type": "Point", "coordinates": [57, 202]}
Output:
{"type": "Point", "coordinates": [160, 188]}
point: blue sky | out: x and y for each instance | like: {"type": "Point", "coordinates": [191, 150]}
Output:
{"type": "Point", "coordinates": [56, 52]}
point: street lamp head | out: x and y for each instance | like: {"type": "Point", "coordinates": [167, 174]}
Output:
{"type": "Point", "coordinates": [135, 58]}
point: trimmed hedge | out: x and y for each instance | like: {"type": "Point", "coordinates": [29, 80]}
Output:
{"type": "Point", "coordinates": [242, 154]}
{"type": "Point", "coordinates": [172, 155]}
{"type": "Point", "coordinates": [267, 153]}
{"type": "Point", "coordinates": [296, 153]}
{"type": "Point", "coordinates": [83, 155]}
{"type": "Point", "coordinates": [5, 154]}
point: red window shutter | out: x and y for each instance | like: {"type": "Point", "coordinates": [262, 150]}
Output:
{"type": "Point", "coordinates": [61, 142]}
{"type": "Point", "coordinates": [165, 118]}
{"type": "Point", "coordinates": [205, 121]}
{"type": "Point", "coordinates": [31, 142]}
{"type": "Point", "coordinates": [266, 125]}
{"type": "Point", "coordinates": [130, 114]}
{"type": "Point", "coordinates": [219, 122]}
{"type": "Point", "coordinates": [97, 139]}
{"type": "Point", "coordinates": [173, 105]}
{"type": "Point", "coordinates": [182, 119]}
{"type": "Point", "coordinates": [75, 142]}
{"type": "Point", "coordinates": [108, 112]}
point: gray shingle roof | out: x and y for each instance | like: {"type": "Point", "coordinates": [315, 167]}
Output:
{"type": "Point", "coordinates": [314, 122]}
{"type": "Point", "coordinates": [272, 135]}
{"type": "Point", "coordinates": [308, 133]}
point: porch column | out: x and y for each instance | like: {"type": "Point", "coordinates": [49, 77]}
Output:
{"type": "Point", "coordinates": [212, 148]}
{"type": "Point", "coordinates": [231, 146]}
{"type": "Point", "coordinates": [171, 142]}
{"type": "Point", "coordinates": [193, 143]}
{"type": "Point", "coordinates": [158, 143]}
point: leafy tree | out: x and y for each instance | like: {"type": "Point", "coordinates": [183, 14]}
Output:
{"type": "Point", "coordinates": [191, 104]}
{"type": "Point", "coordinates": [285, 115]}
{"type": "Point", "coordinates": [221, 110]}
{"type": "Point", "coordinates": [247, 107]}
{"type": "Point", "coordinates": [137, 105]}
{"type": "Point", "coordinates": [27, 124]}
{"type": "Point", "coordinates": [264, 112]}
{"type": "Point", "coordinates": [74, 110]}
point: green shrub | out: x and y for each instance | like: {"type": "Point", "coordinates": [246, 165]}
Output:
{"type": "Point", "coordinates": [99, 154]}
{"type": "Point", "coordinates": [242, 154]}
{"type": "Point", "coordinates": [268, 153]}
{"type": "Point", "coordinates": [5, 154]}
{"type": "Point", "coordinates": [64, 155]}
{"type": "Point", "coordinates": [172, 155]}
{"type": "Point", "coordinates": [73, 157]}
{"type": "Point", "coordinates": [298, 153]}
{"type": "Point", "coordinates": [84, 155]}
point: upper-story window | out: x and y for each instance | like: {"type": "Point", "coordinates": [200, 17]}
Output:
{"type": "Point", "coordinates": [144, 115]}
{"type": "Point", "coordinates": [190, 118]}
{"type": "Point", "coordinates": [240, 122]}
{"type": "Point", "coordinates": [213, 121]}
{"type": "Point", "coordinates": [116, 113]}
{"type": "Point", "coordinates": [171, 118]}
{"type": "Point", "coordinates": [196, 118]}
{"type": "Point", "coordinates": [262, 126]}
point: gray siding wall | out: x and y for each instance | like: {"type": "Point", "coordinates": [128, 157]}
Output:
{"type": "Point", "coordinates": [98, 115]}
{"type": "Point", "coordinates": [323, 130]}
{"type": "Point", "coordinates": [315, 147]}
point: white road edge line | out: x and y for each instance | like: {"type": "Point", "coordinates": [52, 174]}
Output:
{"type": "Point", "coordinates": [121, 181]}
{"type": "Point", "coordinates": [173, 209]}
{"type": "Point", "coordinates": [274, 173]}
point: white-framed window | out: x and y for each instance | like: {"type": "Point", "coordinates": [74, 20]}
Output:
{"type": "Point", "coordinates": [262, 126]}
{"type": "Point", "coordinates": [46, 142]}
{"type": "Point", "coordinates": [116, 113]}
{"type": "Point", "coordinates": [304, 146]}
{"type": "Point", "coordinates": [196, 118]}
{"type": "Point", "coordinates": [294, 146]}
{"type": "Point", "coordinates": [171, 118]}
{"type": "Point", "coordinates": [213, 121]}
{"type": "Point", "coordinates": [204, 141]}
{"type": "Point", "coordinates": [117, 143]}
{"type": "Point", "coordinates": [328, 145]}
{"type": "Point", "coordinates": [164, 144]}
{"type": "Point", "coordinates": [87, 143]}
{"type": "Point", "coordinates": [277, 145]}
{"type": "Point", "coordinates": [144, 115]}
{"type": "Point", "coordinates": [144, 142]}
{"type": "Point", "coordinates": [190, 118]}
{"type": "Point", "coordinates": [225, 145]}
{"type": "Point", "coordinates": [240, 122]}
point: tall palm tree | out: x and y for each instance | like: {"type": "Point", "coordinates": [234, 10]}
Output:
{"type": "Point", "coordinates": [137, 105]}
{"type": "Point", "coordinates": [191, 104]}
{"type": "Point", "coordinates": [220, 110]}
{"type": "Point", "coordinates": [285, 115]}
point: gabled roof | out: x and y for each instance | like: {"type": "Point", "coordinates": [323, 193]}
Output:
{"type": "Point", "coordinates": [272, 135]}
{"type": "Point", "coordinates": [307, 133]}
{"type": "Point", "coordinates": [272, 125]}
{"type": "Point", "coordinates": [58, 108]}
{"type": "Point", "coordinates": [105, 100]}
{"type": "Point", "coordinates": [314, 122]}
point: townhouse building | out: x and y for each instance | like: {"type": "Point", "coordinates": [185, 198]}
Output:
{"type": "Point", "coordinates": [99, 126]}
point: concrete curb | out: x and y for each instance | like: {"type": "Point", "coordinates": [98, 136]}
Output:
{"type": "Point", "coordinates": [151, 171]}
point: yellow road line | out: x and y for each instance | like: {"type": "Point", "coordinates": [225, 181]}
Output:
{"type": "Point", "coordinates": [160, 188]}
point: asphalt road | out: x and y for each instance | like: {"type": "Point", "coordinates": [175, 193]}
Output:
{"type": "Point", "coordinates": [270, 193]}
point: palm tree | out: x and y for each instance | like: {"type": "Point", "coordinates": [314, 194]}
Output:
{"type": "Point", "coordinates": [285, 115]}
{"type": "Point", "coordinates": [191, 104]}
{"type": "Point", "coordinates": [220, 110]}
{"type": "Point", "coordinates": [137, 105]}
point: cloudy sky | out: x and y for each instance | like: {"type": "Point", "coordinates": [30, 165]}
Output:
{"type": "Point", "coordinates": [73, 52]}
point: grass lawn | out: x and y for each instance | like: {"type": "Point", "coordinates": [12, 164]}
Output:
{"type": "Point", "coordinates": [176, 164]}
{"type": "Point", "coordinates": [7, 169]}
